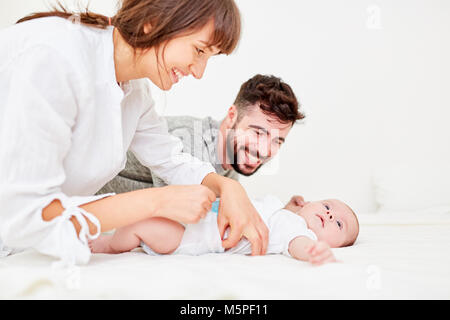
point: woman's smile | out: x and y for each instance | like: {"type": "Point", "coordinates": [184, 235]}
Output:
{"type": "Point", "coordinates": [176, 75]}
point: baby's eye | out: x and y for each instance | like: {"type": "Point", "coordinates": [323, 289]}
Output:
{"type": "Point", "coordinates": [339, 224]}
{"type": "Point", "coordinates": [326, 206]}
{"type": "Point", "coordinates": [199, 51]}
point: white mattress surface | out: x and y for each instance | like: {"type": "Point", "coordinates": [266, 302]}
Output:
{"type": "Point", "coordinates": [397, 256]}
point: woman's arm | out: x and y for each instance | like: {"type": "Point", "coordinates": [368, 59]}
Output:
{"type": "Point", "coordinates": [237, 212]}
{"type": "Point", "coordinates": [112, 212]}
{"type": "Point", "coordinates": [186, 204]}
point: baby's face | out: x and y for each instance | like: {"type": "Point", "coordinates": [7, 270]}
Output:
{"type": "Point", "coordinates": [331, 220]}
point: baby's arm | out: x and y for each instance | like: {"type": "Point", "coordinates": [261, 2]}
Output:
{"type": "Point", "coordinates": [316, 252]}
{"type": "Point", "coordinates": [162, 235]}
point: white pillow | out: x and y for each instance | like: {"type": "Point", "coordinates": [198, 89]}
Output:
{"type": "Point", "coordinates": [416, 186]}
{"type": "Point", "coordinates": [4, 251]}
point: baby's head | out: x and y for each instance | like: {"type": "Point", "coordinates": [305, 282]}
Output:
{"type": "Point", "coordinates": [331, 220]}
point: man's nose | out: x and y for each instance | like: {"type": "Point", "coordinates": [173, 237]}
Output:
{"type": "Point", "coordinates": [264, 149]}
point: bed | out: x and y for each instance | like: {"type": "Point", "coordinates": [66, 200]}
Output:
{"type": "Point", "coordinates": [397, 256]}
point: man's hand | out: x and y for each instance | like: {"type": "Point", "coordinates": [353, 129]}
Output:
{"type": "Point", "coordinates": [237, 212]}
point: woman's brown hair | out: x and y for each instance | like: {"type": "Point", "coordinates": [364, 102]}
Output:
{"type": "Point", "coordinates": [168, 19]}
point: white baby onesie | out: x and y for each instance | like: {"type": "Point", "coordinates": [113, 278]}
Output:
{"type": "Point", "coordinates": [284, 225]}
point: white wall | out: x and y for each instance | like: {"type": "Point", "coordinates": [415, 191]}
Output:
{"type": "Point", "coordinates": [373, 78]}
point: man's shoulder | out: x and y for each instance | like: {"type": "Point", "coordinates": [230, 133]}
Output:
{"type": "Point", "coordinates": [193, 124]}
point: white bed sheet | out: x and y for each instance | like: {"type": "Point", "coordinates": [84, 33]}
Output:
{"type": "Point", "coordinates": [396, 257]}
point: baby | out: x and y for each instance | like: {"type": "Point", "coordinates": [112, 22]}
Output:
{"type": "Point", "coordinates": [303, 230]}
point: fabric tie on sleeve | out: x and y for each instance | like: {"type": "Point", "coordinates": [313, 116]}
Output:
{"type": "Point", "coordinates": [78, 213]}
{"type": "Point", "coordinates": [68, 259]}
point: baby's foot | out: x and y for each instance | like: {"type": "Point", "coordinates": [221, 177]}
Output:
{"type": "Point", "coordinates": [101, 244]}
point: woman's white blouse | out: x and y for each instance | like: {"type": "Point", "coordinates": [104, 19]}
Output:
{"type": "Point", "coordinates": [65, 128]}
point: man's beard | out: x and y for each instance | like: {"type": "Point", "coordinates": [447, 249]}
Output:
{"type": "Point", "coordinates": [231, 151]}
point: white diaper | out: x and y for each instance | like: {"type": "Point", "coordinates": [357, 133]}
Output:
{"type": "Point", "coordinates": [200, 238]}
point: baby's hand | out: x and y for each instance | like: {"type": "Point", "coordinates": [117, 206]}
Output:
{"type": "Point", "coordinates": [320, 253]}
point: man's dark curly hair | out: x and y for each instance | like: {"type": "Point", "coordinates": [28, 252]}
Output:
{"type": "Point", "coordinates": [275, 98]}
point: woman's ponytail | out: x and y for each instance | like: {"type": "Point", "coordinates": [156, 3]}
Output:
{"type": "Point", "coordinates": [86, 17]}
{"type": "Point", "coordinates": [169, 18]}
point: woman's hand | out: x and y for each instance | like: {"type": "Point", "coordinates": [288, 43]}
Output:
{"type": "Point", "coordinates": [237, 212]}
{"type": "Point", "coordinates": [185, 204]}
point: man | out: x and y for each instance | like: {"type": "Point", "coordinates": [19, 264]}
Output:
{"type": "Point", "coordinates": [251, 134]}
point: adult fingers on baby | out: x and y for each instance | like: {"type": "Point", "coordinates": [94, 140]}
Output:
{"type": "Point", "coordinates": [264, 241]}
{"type": "Point", "coordinates": [256, 242]}
{"type": "Point", "coordinates": [207, 207]}
{"type": "Point", "coordinates": [262, 234]}
{"type": "Point", "coordinates": [210, 198]}
{"type": "Point", "coordinates": [206, 197]}
{"type": "Point", "coordinates": [211, 195]}
{"type": "Point", "coordinates": [223, 224]}
{"type": "Point", "coordinates": [233, 238]}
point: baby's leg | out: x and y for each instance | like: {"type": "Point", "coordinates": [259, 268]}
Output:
{"type": "Point", "coordinates": [162, 235]}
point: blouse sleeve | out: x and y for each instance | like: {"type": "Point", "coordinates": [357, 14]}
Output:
{"type": "Point", "coordinates": [35, 136]}
{"type": "Point", "coordinates": [163, 153]}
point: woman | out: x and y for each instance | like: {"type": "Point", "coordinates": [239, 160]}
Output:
{"type": "Point", "coordinates": [75, 96]}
